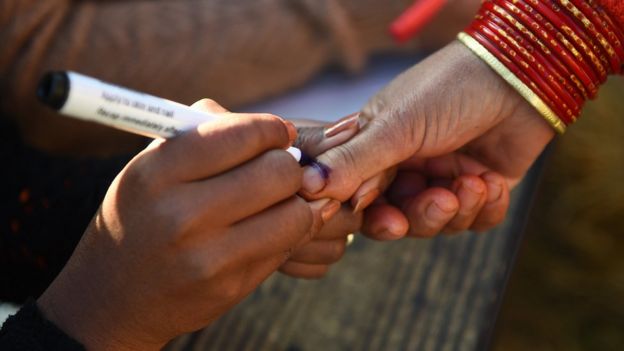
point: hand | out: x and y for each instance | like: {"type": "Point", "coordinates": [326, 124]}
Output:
{"type": "Point", "coordinates": [189, 228]}
{"type": "Point", "coordinates": [450, 115]}
{"type": "Point", "coordinates": [312, 260]}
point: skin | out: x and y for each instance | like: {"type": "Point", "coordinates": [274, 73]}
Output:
{"type": "Point", "coordinates": [178, 239]}
{"type": "Point", "coordinates": [456, 136]}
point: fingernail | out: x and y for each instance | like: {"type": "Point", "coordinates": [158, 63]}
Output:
{"type": "Point", "coordinates": [473, 186]}
{"type": "Point", "coordinates": [292, 131]}
{"type": "Point", "coordinates": [329, 210]}
{"type": "Point", "coordinates": [342, 125]}
{"type": "Point", "coordinates": [315, 178]}
{"type": "Point", "coordinates": [391, 233]}
{"type": "Point", "coordinates": [438, 212]}
{"type": "Point", "coordinates": [470, 189]}
{"type": "Point", "coordinates": [495, 191]}
{"type": "Point", "coordinates": [362, 202]}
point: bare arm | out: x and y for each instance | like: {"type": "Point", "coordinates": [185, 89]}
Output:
{"type": "Point", "coordinates": [235, 52]}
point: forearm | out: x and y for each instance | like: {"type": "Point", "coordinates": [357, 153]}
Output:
{"type": "Point", "coordinates": [183, 50]}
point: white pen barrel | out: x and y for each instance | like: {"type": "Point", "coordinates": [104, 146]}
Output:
{"type": "Point", "coordinates": [93, 100]}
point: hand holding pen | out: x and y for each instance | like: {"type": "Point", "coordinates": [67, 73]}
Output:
{"type": "Point", "coordinates": [188, 229]}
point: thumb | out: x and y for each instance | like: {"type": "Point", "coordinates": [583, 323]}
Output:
{"type": "Point", "coordinates": [340, 170]}
{"type": "Point", "coordinates": [314, 138]}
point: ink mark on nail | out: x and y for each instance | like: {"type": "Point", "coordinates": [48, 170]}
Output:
{"type": "Point", "coordinates": [323, 170]}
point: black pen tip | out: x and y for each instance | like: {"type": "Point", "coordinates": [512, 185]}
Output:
{"type": "Point", "coordinates": [53, 89]}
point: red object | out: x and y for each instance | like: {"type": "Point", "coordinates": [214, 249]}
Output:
{"type": "Point", "coordinates": [415, 18]}
{"type": "Point", "coordinates": [563, 87]}
{"type": "Point", "coordinates": [553, 51]}
{"type": "Point", "coordinates": [561, 49]}
{"type": "Point", "coordinates": [541, 76]}
{"type": "Point", "coordinates": [615, 8]}
{"type": "Point", "coordinates": [555, 26]}
{"type": "Point", "coordinates": [616, 30]}
{"type": "Point", "coordinates": [532, 76]}
{"type": "Point", "coordinates": [558, 42]}
{"type": "Point", "coordinates": [585, 40]}
{"type": "Point", "coordinates": [601, 33]}
{"type": "Point", "coordinates": [494, 50]}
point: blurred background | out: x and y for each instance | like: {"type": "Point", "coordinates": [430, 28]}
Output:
{"type": "Point", "coordinates": [567, 289]}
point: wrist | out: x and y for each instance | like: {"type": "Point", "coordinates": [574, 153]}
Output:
{"type": "Point", "coordinates": [506, 107]}
{"type": "Point", "coordinates": [87, 317]}
{"type": "Point", "coordinates": [554, 53]}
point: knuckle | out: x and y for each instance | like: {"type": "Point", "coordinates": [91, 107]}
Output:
{"type": "Point", "coordinates": [205, 104]}
{"type": "Point", "coordinates": [178, 220]}
{"type": "Point", "coordinates": [143, 173]}
{"type": "Point", "coordinates": [270, 129]}
{"type": "Point", "coordinates": [301, 214]}
{"type": "Point", "coordinates": [199, 269]}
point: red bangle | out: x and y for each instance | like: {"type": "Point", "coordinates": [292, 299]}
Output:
{"type": "Point", "coordinates": [560, 44]}
{"type": "Point", "coordinates": [552, 61]}
{"type": "Point", "coordinates": [568, 29]}
{"type": "Point", "coordinates": [530, 76]}
{"type": "Point", "coordinates": [545, 81]}
{"type": "Point", "coordinates": [586, 36]}
{"type": "Point", "coordinates": [493, 49]}
{"type": "Point", "coordinates": [616, 35]}
{"type": "Point", "coordinates": [555, 53]}
{"type": "Point", "coordinates": [556, 75]}
{"type": "Point", "coordinates": [557, 104]}
{"type": "Point", "coordinates": [600, 32]}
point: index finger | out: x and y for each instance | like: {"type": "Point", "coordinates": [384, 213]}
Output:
{"type": "Point", "coordinates": [219, 145]}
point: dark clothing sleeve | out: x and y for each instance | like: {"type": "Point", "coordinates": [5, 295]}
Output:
{"type": "Point", "coordinates": [46, 202]}
{"type": "Point", "coordinates": [29, 330]}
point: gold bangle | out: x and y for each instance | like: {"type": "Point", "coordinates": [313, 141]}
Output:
{"type": "Point", "coordinates": [526, 92]}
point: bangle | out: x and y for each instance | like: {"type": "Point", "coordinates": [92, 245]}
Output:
{"type": "Point", "coordinates": [614, 34]}
{"type": "Point", "coordinates": [555, 53]}
{"type": "Point", "coordinates": [551, 22]}
{"type": "Point", "coordinates": [542, 56]}
{"type": "Point", "coordinates": [561, 57]}
{"type": "Point", "coordinates": [529, 95]}
{"type": "Point", "coordinates": [536, 70]}
{"type": "Point", "coordinates": [554, 75]}
{"type": "Point", "coordinates": [582, 39]}
{"type": "Point", "coordinates": [530, 76]}
{"type": "Point", "coordinates": [558, 43]}
{"type": "Point", "coordinates": [588, 18]}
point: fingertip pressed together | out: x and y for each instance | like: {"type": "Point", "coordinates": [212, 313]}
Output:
{"type": "Point", "coordinates": [315, 177]}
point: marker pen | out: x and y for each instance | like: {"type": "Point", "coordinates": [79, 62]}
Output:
{"type": "Point", "coordinates": [76, 95]}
